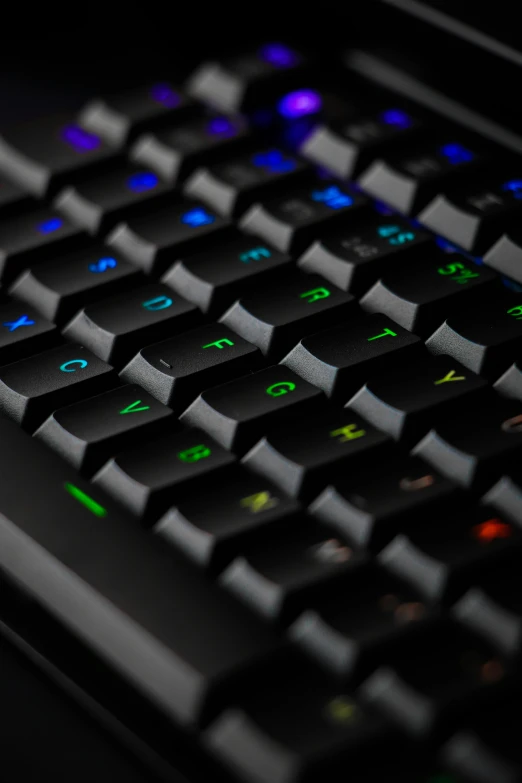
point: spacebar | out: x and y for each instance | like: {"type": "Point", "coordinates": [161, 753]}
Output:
{"type": "Point", "coordinates": [150, 615]}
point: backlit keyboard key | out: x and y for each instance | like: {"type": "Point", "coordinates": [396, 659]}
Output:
{"type": "Point", "coordinates": [231, 187]}
{"type": "Point", "coordinates": [149, 478]}
{"type": "Point", "coordinates": [238, 413]}
{"type": "Point", "coordinates": [23, 332]}
{"type": "Point", "coordinates": [121, 117]}
{"type": "Point", "coordinates": [292, 221]}
{"type": "Point", "coordinates": [506, 256]}
{"type": "Point", "coordinates": [43, 155]}
{"type": "Point", "coordinates": [154, 240]}
{"type": "Point", "coordinates": [114, 329]}
{"type": "Point", "coordinates": [100, 201]}
{"type": "Point", "coordinates": [510, 383]}
{"type": "Point", "coordinates": [174, 152]}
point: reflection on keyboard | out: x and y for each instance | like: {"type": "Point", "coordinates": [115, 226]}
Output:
{"type": "Point", "coordinates": [274, 336]}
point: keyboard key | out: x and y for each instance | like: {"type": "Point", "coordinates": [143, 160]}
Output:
{"type": "Point", "coordinates": [442, 559]}
{"type": "Point", "coordinates": [115, 329]}
{"type": "Point", "coordinates": [23, 332]}
{"type": "Point", "coordinates": [353, 261]}
{"type": "Point", "coordinates": [236, 83]}
{"type": "Point", "coordinates": [407, 404]}
{"type": "Point", "coordinates": [173, 153]}
{"type": "Point", "coordinates": [88, 433]}
{"type": "Point", "coordinates": [213, 528]}
{"type": "Point", "coordinates": [506, 495]}
{"type": "Point", "coordinates": [33, 236]}
{"type": "Point", "coordinates": [506, 256]}
{"type": "Point", "coordinates": [274, 320]}
{"type": "Point", "coordinates": [155, 240]}
{"type": "Point", "coordinates": [238, 413]}
{"type": "Point", "coordinates": [348, 148]}
{"type": "Point", "coordinates": [476, 217]}
{"type": "Point", "coordinates": [288, 733]}
{"type": "Point", "coordinates": [99, 202]}
{"type": "Point", "coordinates": [215, 279]}
{"type": "Point", "coordinates": [12, 197]}
{"type": "Point", "coordinates": [32, 388]}
{"type": "Point", "coordinates": [303, 460]}
{"type": "Point", "coordinates": [410, 182]}
{"type": "Point", "coordinates": [278, 576]}
{"type": "Point", "coordinates": [58, 288]}
{"type": "Point", "coordinates": [126, 596]}
{"type": "Point", "coordinates": [340, 360]}
{"type": "Point", "coordinates": [369, 509]}
{"type": "Point", "coordinates": [43, 155]}
{"type": "Point", "coordinates": [475, 449]}
{"type": "Point", "coordinates": [292, 221]}
{"type": "Point", "coordinates": [231, 187]}
{"type": "Point", "coordinates": [349, 631]}
{"type": "Point", "coordinates": [443, 674]}
{"type": "Point", "coordinates": [510, 383]}
{"type": "Point", "coordinates": [120, 118]}
{"type": "Point", "coordinates": [175, 371]}
{"type": "Point", "coordinates": [152, 476]}
{"type": "Point", "coordinates": [421, 297]}
{"type": "Point", "coordinates": [487, 340]}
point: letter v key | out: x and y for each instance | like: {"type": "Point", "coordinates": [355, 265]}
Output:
{"type": "Point", "coordinates": [133, 408]}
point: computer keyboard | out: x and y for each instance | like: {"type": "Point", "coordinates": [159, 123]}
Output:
{"type": "Point", "coordinates": [266, 334]}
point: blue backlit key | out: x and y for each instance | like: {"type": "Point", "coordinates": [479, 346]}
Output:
{"type": "Point", "coordinates": [23, 332]}
{"type": "Point", "coordinates": [121, 117]}
{"type": "Point", "coordinates": [154, 240]}
{"type": "Point", "coordinates": [231, 187]}
{"type": "Point", "coordinates": [43, 155]}
{"type": "Point", "coordinates": [175, 152]}
{"type": "Point", "coordinates": [32, 236]}
{"type": "Point", "coordinates": [98, 202]}
{"type": "Point", "coordinates": [114, 329]}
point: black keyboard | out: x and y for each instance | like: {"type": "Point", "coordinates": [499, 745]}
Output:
{"type": "Point", "coordinates": [261, 386]}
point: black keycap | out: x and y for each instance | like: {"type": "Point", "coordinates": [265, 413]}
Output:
{"type": "Point", "coordinates": [213, 527]}
{"type": "Point", "coordinates": [120, 118]}
{"type": "Point", "coordinates": [348, 148]}
{"type": "Point", "coordinates": [475, 449]}
{"type": "Point", "coordinates": [115, 329]}
{"type": "Point", "coordinates": [58, 288]}
{"type": "Point", "coordinates": [278, 576]}
{"type": "Point", "coordinates": [43, 155]}
{"type": "Point", "coordinates": [302, 460]}
{"type": "Point", "coordinates": [231, 187]}
{"type": "Point", "coordinates": [32, 388]}
{"type": "Point", "coordinates": [410, 181]}
{"type": "Point", "coordinates": [506, 256]}
{"type": "Point", "coordinates": [97, 203]}
{"type": "Point", "coordinates": [214, 280]}
{"type": "Point", "coordinates": [510, 383]}
{"type": "Point", "coordinates": [506, 495]}
{"type": "Point", "coordinates": [252, 78]}
{"type": "Point", "coordinates": [12, 197]}
{"type": "Point", "coordinates": [149, 615]}
{"type": "Point", "coordinates": [340, 360]}
{"type": "Point", "coordinates": [175, 371]}
{"type": "Point", "coordinates": [275, 318]}
{"type": "Point", "coordinates": [428, 686]}
{"type": "Point", "coordinates": [150, 477]}
{"type": "Point", "coordinates": [354, 260]}
{"type": "Point", "coordinates": [289, 733]}
{"type": "Point", "coordinates": [474, 217]}
{"type": "Point", "coordinates": [175, 152]}
{"type": "Point", "coordinates": [33, 236]}
{"type": "Point", "coordinates": [238, 413]}
{"type": "Point", "coordinates": [422, 296]}
{"type": "Point", "coordinates": [87, 433]}
{"type": "Point", "coordinates": [154, 240]}
{"type": "Point", "coordinates": [372, 507]}
{"type": "Point", "coordinates": [292, 221]}
{"type": "Point", "coordinates": [486, 340]}
{"type": "Point", "coordinates": [442, 557]}
{"type": "Point", "coordinates": [407, 403]}
{"type": "Point", "coordinates": [350, 630]}
{"type": "Point", "coordinates": [23, 332]}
